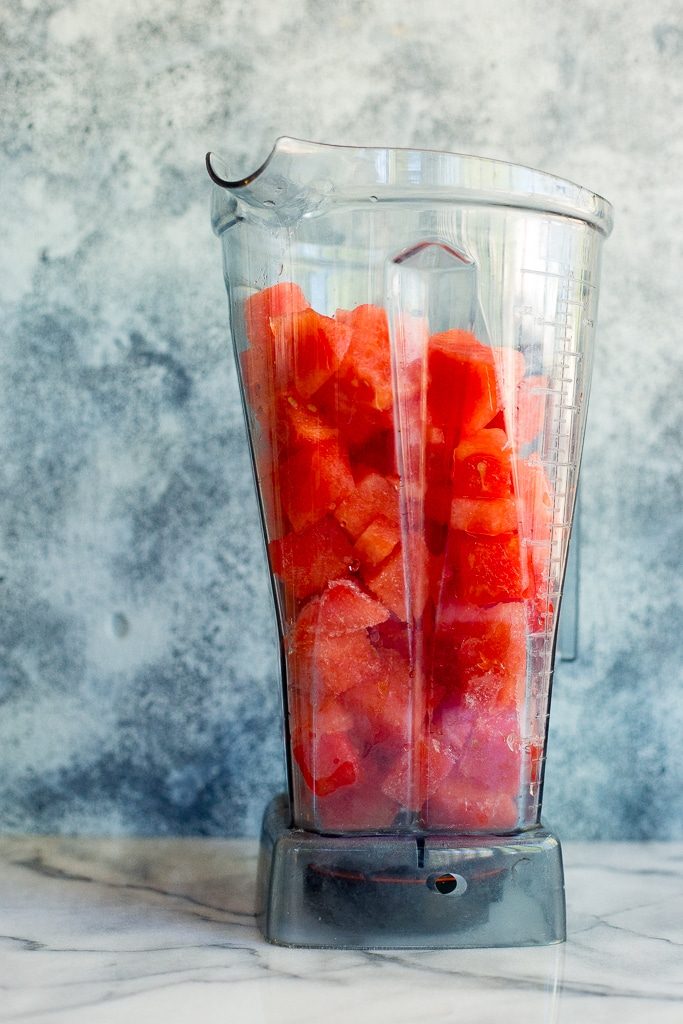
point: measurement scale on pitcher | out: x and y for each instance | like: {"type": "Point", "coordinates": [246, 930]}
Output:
{"type": "Point", "coordinates": [566, 311]}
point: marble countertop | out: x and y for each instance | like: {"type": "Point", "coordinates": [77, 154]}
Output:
{"type": "Point", "coordinates": [162, 930]}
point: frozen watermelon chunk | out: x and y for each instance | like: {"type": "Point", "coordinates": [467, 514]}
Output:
{"type": "Point", "coordinates": [373, 496]}
{"type": "Point", "coordinates": [348, 407]}
{"type": "Point", "coordinates": [326, 761]}
{"type": "Point", "coordinates": [483, 570]}
{"type": "Point", "coordinates": [302, 636]}
{"type": "Point", "coordinates": [377, 541]}
{"type": "Point", "coordinates": [299, 424]}
{"type": "Point", "coordinates": [280, 299]}
{"type": "Point", "coordinates": [321, 716]}
{"type": "Point", "coordinates": [489, 516]}
{"type": "Point", "coordinates": [462, 396]}
{"type": "Point", "coordinates": [344, 607]}
{"type": "Point", "coordinates": [485, 745]}
{"type": "Point", "coordinates": [417, 772]}
{"type": "Point", "coordinates": [345, 661]}
{"type": "Point", "coordinates": [536, 511]}
{"type": "Point", "coordinates": [329, 648]}
{"type": "Point", "coordinates": [308, 348]}
{"type": "Point", "coordinates": [463, 807]}
{"type": "Point", "coordinates": [366, 367]}
{"type": "Point", "coordinates": [535, 501]}
{"type": "Point", "coordinates": [479, 468]}
{"type": "Point", "coordinates": [360, 808]}
{"type": "Point", "coordinates": [363, 806]}
{"type": "Point", "coordinates": [314, 480]}
{"type": "Point", "coordinates": [388, 581]}
{"type": "Point", "coordinates": [479, 654]}
{"type": "Point", "coordinates": [358, 397]}
{"type": "Point", "coordinates": [307, 561]}
{"type": "Point", "coordinates": [482, 466]}
{"type": "Point", "coordinates": [382, 703]}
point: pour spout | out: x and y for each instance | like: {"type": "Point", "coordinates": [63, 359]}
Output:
{"type": "Point", "coordinates": [286, 186]}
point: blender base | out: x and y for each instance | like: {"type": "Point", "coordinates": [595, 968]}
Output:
{"type": "Point", "coordinates": [403, 891]}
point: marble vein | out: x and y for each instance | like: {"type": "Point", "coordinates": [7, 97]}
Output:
{"type": "Point", "coordinates": [106, 931]}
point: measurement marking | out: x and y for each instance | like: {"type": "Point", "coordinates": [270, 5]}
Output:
{"type": "Point", "coordinates": [567, 276]}
{"type": "Point", "coordinates": [547, 273]}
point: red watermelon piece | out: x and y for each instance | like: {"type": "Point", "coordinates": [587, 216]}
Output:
{"type": "Point", "coordinates": [483, 570]}
{"type": "Point", "coordinates": [460, 806]}
{"type": "Point", "coordinates": [345, 661]}
{"type": "Point", "coordinates": [387, 582]}
{"type": "Point", "coordinates": [489, 516]}
{"type": "Point", "coordinates": [382, 703]}
{"type": "Point", "coordinates": [326, 761]}
{"type": "Point", "coordinates": [479, 655]}
{"type": "Point", "coordinates": [362, 807]}
{"type": "Point", "coordinates": [373, 496]}
{"type": "Point", "coordinates": [417, 773]}
{"type": "Point", "coordinates": [307, 561]}
{"type": "Point", "coordinates": [279, 300]}
{"type": "Point", "coordinates": [462, 396]}
{"type": "Point", "coordinates": [484, 744]}
{"type": "Point", "coordinates": [366, 368]}
{"type": "Point", "coordinates": [344, 607]}
{"type": "Point", "coordinates": [299, 425]}
{"type": "Point", "coordinates": [314, 480]}
{"type": "Point", "coordinates": [377, 541]}
{"type": "Point", "coordinates": [482, 466]}
{"type": "Point", "coordinates": [308, 348]}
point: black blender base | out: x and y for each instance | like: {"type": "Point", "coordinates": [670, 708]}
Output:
{"type": "Point", "coordinates": [408, 892]}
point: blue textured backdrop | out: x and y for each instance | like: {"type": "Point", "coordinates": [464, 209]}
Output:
{"type": "Point", "coordinates": [137, 665]}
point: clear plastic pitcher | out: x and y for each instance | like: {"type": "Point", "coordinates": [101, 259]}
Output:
{"type": "Point", "coordinates": [413, 332]}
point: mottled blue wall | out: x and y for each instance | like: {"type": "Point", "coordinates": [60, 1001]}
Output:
{"type": "Point", "coordinates": [137, 666]}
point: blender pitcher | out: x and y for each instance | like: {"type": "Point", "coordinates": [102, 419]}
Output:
{"type": "Point", "coordinates": [413, 333]}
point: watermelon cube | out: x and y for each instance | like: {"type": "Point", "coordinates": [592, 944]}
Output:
{"type": "Point", "coordinates": [308, 348]}
{"type": "Point", "coordinates": [279, 300]}
{"type": "Point", "coordinates": [372, 496]}
{"type": "Point", "coordinates": [314, 480]}
{"type": "Point", "coordinates": [307, 561]}
{"type": "Point", "coordinates": [377, 541]}
{"type": "Point", "coordinates": [326, 761]}
{"type": "Point", "coordinates": [479, 655]}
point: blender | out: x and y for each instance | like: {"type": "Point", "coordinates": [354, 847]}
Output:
{"type": "Point", "coordinates": [413, 333]}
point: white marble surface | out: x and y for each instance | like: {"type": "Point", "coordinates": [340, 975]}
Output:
{"type": "Point", "coordinates": [161, 930]}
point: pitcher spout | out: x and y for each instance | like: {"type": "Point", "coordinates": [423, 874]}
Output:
{"type": "Point", "coordinates": [288, 185]}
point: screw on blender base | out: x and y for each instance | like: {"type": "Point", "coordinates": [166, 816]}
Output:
{"type": "Point", "coordinates": [447, 883]}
